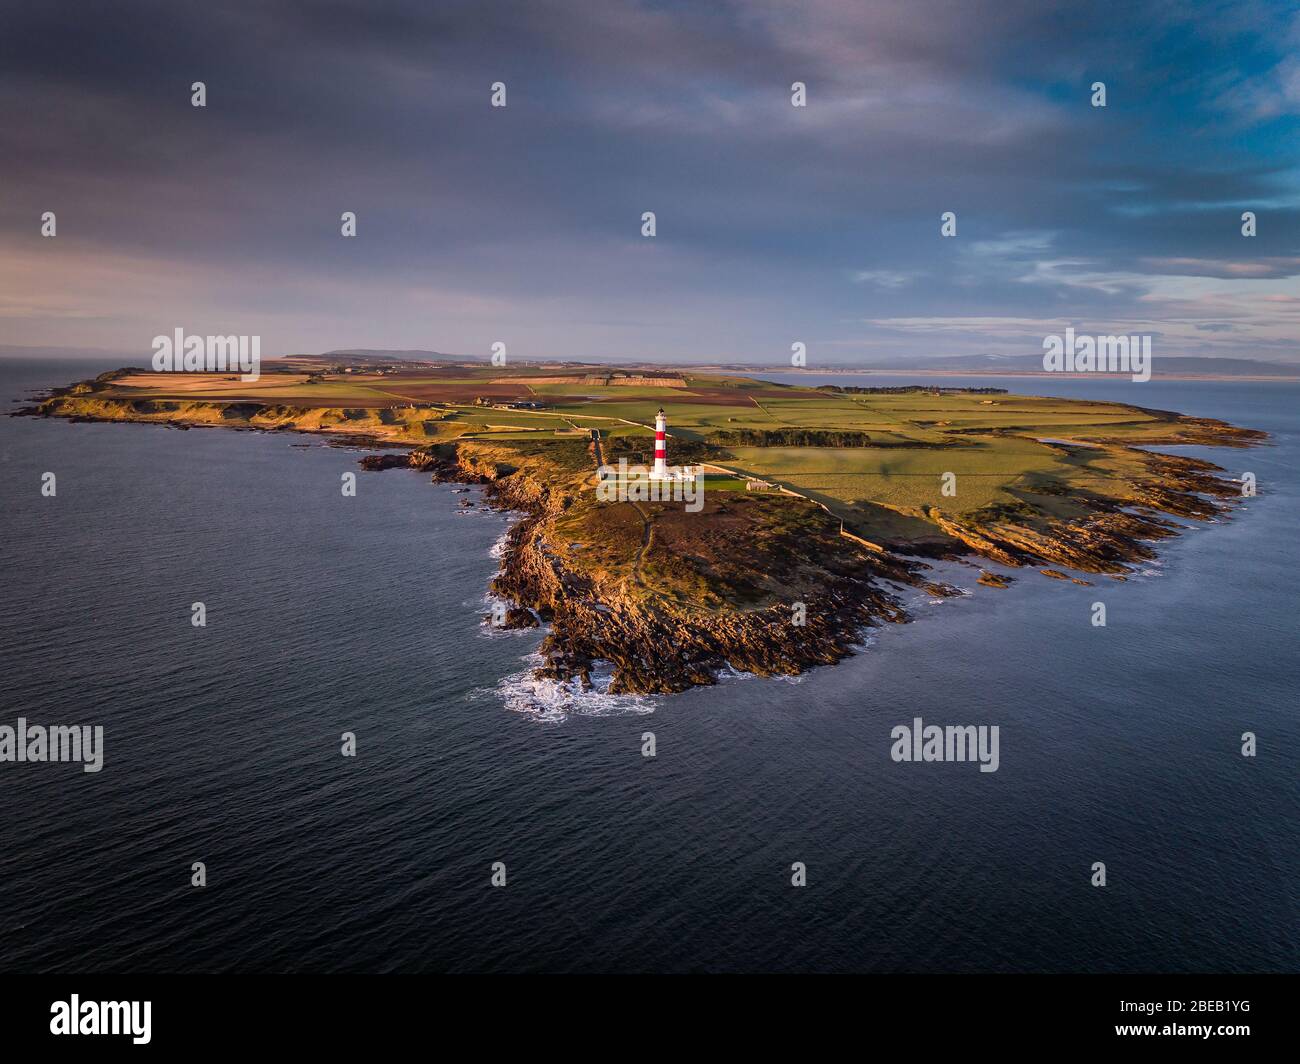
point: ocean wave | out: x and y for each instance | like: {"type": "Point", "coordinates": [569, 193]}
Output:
{"type": "Point", "coordinates": [488, 604]}
{"type": "Point", "coordinates": [795, 678]}
{"type": "Point", "coordinates": [554, 701]}
{"type": "Point", "coordinates": [730, 672]}
{"type": "Point", "coordinates": [499, 547]}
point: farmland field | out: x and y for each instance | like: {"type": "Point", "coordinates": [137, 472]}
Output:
{"type": "Point", "coordinates": [887, 460]}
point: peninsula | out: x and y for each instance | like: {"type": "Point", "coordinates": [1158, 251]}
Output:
{"type": "Point", "coordinates": [818, 504]}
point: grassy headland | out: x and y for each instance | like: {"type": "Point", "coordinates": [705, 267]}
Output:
{"type": "Point", "coordinates": [819, 501]}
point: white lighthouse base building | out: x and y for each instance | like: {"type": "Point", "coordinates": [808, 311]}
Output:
{"type": "Point", "coordinates": [676, 473]}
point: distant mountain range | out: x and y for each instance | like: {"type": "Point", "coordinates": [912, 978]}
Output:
{"type": "Point", "coordinates": [374, 354]}
{"type": "Point", "coordinates": [1166, 366]}
{"type": "Point", "coordinates": [1169, 366]}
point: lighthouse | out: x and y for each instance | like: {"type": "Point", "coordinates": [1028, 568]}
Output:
{"type": "Point", "coordinates": [661, 451]}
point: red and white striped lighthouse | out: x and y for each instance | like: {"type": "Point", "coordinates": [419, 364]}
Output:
{"type": "Point", "coordinates": [661, 448]}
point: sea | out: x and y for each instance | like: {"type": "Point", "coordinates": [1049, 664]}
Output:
{"type": "Point", "coordinates": [328, 616]}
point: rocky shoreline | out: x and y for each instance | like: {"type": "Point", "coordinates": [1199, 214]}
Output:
{"type": "Point", "coordinates": [820, 591]}
{"type": "Point", "coordinates": [589, 625]}
{"type": "Point", "coordinates": [1112, 538]}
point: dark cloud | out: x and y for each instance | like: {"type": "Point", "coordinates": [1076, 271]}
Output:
{"type": "Point", "coordinates": [522, 223]}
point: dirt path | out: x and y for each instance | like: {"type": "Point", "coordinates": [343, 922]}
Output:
{"type": "Point", "coordinates": [647, 537]}
{"type": "Point", "coordinates": [767, 412]}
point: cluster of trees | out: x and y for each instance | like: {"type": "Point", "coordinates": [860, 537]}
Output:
{"type": "Point", "coordinates": [791, 437]}
{"type": "Point", "coordinates": [642, 448]}
{"type": "Point", "coordinates": [909, 389]}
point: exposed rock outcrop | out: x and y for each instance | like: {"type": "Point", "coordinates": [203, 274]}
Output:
{"type": "Point", "coordinates": [765, 584]}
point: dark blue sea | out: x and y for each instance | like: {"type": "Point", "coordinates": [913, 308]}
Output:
{"type": "Point", "coordinates": [328, 614]}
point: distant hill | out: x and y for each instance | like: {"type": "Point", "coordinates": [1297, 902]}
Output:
{"type": "Point", "coordinates": [373, 354]}
{"type": "Point", "coordinates": [1166, 366]}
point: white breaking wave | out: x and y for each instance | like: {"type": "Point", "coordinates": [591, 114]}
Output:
{"type": "Point", "coordinates": [487, 630]}
{"type": "Point", "coordinates": [554, 701]}
{"type": "Point", "coordinates": [499, 547]}
{"type": "Point", "coordinates": [728, 672]}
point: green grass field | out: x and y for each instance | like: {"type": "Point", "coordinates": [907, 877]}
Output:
{"type": "Point", "coordinates": [989, 443]}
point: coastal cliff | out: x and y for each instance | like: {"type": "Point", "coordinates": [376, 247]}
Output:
{"type": "Point", "coordinates": [823, 589]}
{"type": "Point", "coordinates": [764, 582]}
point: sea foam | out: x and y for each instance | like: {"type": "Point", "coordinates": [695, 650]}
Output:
{"type": "Point", "coordinates": [554, 701]}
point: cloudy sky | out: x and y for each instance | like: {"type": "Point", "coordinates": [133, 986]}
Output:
{"type": "Point", "coordinates": [775, 224]}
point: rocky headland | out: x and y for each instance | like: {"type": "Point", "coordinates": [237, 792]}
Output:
{"type": "Point", "coordinates": [765, 583]}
